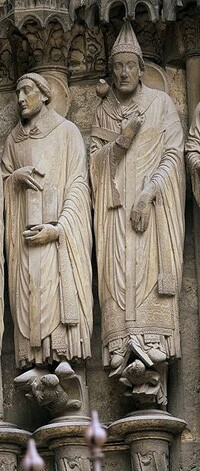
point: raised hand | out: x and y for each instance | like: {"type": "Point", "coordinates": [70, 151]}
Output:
{"type": "Point", "coordinates": [130, 127]}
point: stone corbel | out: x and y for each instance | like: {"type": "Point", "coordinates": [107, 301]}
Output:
{"type": "Point", "coordinates": [61, 392]}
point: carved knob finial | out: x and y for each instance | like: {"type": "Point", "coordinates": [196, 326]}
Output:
{"type": "Point", "coordinates": [32, 460]}
{"type": "Point", "coordinates": [96, 436]}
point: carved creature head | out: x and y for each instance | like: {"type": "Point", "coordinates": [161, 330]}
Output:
{"type": "Point", "coordinates": [45, 389]}
{"type": "Point", "coordinates": [33, 93]}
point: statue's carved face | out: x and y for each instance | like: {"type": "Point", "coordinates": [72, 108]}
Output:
{"type": "Point", "coordinates": [126, 72]}
{"type": "Point", "coordinates": [30, 98]}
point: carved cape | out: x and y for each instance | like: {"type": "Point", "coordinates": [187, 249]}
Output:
{"type": "Point", "coordinates": [55, 147]}
{"type": "Point", "coordinates": [139, 274]}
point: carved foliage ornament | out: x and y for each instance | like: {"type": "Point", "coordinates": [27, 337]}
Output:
{"type": "Point", "coordinates": [48, 45]}
{"type": "Point", "coordinates": [80, 50]}
{"type": "Point", "coordinates": [6, 63]}
{"type": "Point", "coordinates": [189, 25]}
{"type": "Point", "coordinates": [40, 38]}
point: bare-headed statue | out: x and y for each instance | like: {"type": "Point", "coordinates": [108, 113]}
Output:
{"type": "Point", "coordinates": [48, 235]}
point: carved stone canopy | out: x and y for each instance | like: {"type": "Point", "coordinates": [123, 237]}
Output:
{"type": "Point", "coordinates": [74, 34]}
{"type": "Point", "coordinates": [64, 11]}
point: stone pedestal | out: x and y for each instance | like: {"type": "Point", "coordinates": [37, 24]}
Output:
{"type": "Point", "coordinates": [149, 434]}
{"type": "Point", "coordinates": [12, 441]}
{"type": "Point", "coordinates": [66, 439]}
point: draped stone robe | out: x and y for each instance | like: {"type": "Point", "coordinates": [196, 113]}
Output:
{"type": "Point", "coordinates": [55, 277]}
{"type": "Point", "coordinates": [139, 274]}
{"type": "Point", "coordinates": [192, 148]}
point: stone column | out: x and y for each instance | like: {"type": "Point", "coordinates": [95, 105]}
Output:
{"type": "Point", "coordinates": [149, 434]}
{"type": "Point", "coordinates": [192, 75]}
{"type": "Point", "coordinates": [191, 24]}
{"type": "Point", "coordinates": [66, 439]}
{"type": "Point", "coordinates": [190, 28]}
{"type": "Point", "coordinates": [12, 441]}
{"type": "Point", "coordinates": [190, 35]}
{"type": "Point", "coordinates": [64, 435]}
{"type": "Point", "coordinates": [193, 98]}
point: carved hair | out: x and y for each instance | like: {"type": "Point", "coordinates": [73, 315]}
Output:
{"type": "Point", "coordinates": [41, 83]}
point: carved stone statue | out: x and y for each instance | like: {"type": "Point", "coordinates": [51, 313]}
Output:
{"type": "Point", "coordinates": [48, 231]}
{"type": "Point", "coordinates": [137, 173]}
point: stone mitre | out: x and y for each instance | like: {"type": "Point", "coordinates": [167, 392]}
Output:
{"type": "Point", "coordinates": [127, 42]}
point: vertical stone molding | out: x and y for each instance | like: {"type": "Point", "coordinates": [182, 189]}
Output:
{"type": "Point", "coordinates": [189, 24]}
{"type": "Point", "coordinates": [149, 434]}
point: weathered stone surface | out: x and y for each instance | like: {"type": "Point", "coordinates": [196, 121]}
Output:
{"type": "Point", "coordinates": [117, 459]}
{"type": "Point", "coordinates": [83, 97]}
{"type": "Point", "coordinates": [163, 43]}
{"type": "Point", "coordinates": [48, 321]}
{"type": "Point", "coordinates": [177, 89]}
{"type": "Point", "coordinates": [8, 115]}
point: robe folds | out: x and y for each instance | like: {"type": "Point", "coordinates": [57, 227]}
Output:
{"type": "Point", "coordinates": [49, 285]}
{"type": "Point", "coordinates": [192, 148]}
{"type": "Point", "coordinates": [139, 273]}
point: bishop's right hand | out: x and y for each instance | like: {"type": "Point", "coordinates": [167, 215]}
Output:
{"type": "Point", "coordinates": [23, 178]}
{"type": "Point", "coordinates": [130, 127]}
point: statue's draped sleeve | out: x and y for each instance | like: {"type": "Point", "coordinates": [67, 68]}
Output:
{"type": "Point", "coordinates": [169, 178]}
{"type": "Point", "coordinates": [75, 234]}
{"type": "Point", "coordinates": [193, 153]}
{"type": "Point", "coordinates": [108, 207]}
